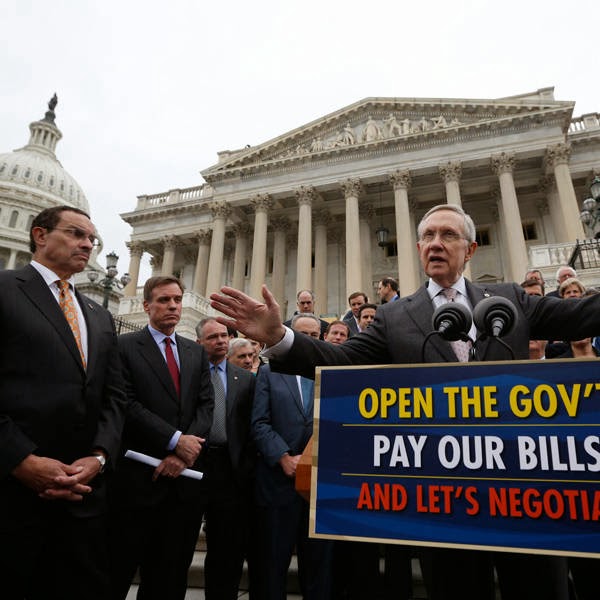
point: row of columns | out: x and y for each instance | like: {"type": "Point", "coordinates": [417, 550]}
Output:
{"type": "Point", "coordinates": [358, 235]}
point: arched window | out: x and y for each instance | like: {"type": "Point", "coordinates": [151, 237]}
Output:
{"type": "Point", "coordinates": [13, 219]}
{"type": "Point", "coordinates": [29, 222]}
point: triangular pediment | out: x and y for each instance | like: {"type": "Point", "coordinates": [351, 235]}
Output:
{"type": "Point", "coordinates": [373, 123]}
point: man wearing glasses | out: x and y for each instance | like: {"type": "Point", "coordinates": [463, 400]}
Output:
{"type": "Point", "coordinates": [61, 415]}
{"type": "Point", "coordinates": [446, 242]}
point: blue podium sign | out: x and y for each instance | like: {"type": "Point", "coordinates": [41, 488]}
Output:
{"type": "Point", "coordinates": [497, 456]}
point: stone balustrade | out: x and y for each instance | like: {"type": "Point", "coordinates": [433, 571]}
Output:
{"type": "Point", "coordinates": [198, 192]}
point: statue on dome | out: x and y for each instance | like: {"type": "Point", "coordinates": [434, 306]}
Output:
{"type": "Point", "coordinates": [53, 102]}
{"type": "Point", "coordinates": [50, 116]}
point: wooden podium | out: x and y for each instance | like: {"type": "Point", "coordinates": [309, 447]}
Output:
{"type": "Point", "coordinates": [304, 470]}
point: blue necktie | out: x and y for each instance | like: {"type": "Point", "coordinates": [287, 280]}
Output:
{"type": "Point", "coordinates": [307, 386]}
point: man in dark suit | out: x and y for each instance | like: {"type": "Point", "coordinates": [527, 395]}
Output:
{"type": "Point", "coordinates": [155, 519]}
{"type": "Point", "coordinates": [355, 300]}
{"type": "Point", "coordinates": [228, 504]}
{"type": "Point", "coordinates": [282, 419]}
{"type": "Point", "coordinates": [305, 302]}
{"type": "Point", "coordinates": [446, 243]}
{"type": "Point", "coordinates": [61, 416]}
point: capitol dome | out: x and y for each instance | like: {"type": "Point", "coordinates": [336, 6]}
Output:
{"type": "Point", "coordinates": [36, 167]}
{"type": "Point", "coordinates": [31, 179]}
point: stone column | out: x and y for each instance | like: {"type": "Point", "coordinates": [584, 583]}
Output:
{"type": "Point", "coordinates": [169, 244]}
{"type": "Point", "coordinates": [557, 158]}
{"type": "Point", "coordinates": [543, 205]}
{"type": "Point", "coordinates": [305, 197]}
{"type": "Point", "coordinates": [258, 271]}
{"type": "Point", "coordinates": [280, 227]}
{"type": "Point", "coordinates": [366, 213]}
{"type": "Point", "coordinates": [203, 238]}
{"type": "Point", "coordinates": [322, 220]}
{"type": "Point", "coordinates": [352, 189]}
{"type": "Point", "coordinates": [408, 277]}
{"type": "Point", "coordinates": [136, 249]}
{"type": "Point", "coordinates": [451, 173]}
{"type": "Point", "coordinates": [240, 231]}
{"type": "Point", "coordinates": [220, 211]}
{"type": "Point", "coordinates": [12, 259]}
{"type": "Point", "coordinates": [503, 165]}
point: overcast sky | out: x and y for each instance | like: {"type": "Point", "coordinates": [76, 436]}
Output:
{"type": "Point", "coordinates": [149, 92]}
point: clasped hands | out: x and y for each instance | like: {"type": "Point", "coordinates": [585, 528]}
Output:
{"type": "Point", "coordinates": [186, 452]}
{"type": "Point", "coordinates": [54, 480]}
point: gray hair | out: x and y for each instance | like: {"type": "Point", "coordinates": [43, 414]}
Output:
{"type": "Point", "coordinates": [563, 268]}
{"type": "Point", "coordinates": [200, 326]}
{"type": "Point", "coordinates": [305, 316]}
{"type": "Point", "coordinates": [468, 225]}
{"type": "Point", "coordinates": [237, 343]}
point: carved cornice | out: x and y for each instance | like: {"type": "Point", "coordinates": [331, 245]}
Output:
{"type": "Point", "coordinates": [400, 179]}
{"type": "Point", "coordinates": [450, 171]}
{"type": "Point", "coordinates": [169, 242]}
{"type": "Point", "coordinates": [322, 218]}
{"type": "Point", "coordinates": [385, 125]}
{"type": "Point", "coordinates": [352, 188]}
{"type": "Point", "coordinates": [241, 230]}
{"type": "Point", "coordinates": [546, 183]}
{"type": "Point", "coordinates": [261, 202]}
{"type": "Point", "coordinates": [503, 163]}
{"type": "Point", "coordinates": [366, 211]}
{"type": "Point", "coordinates": [220, 209]}
{"type": "Point", "coordinates": [559, 154]}
{"type": "Point", "coordinates": [280, 224]}
{"type": "Point", "coordinates": [306, 195]}
{"type": "Point", "coordinates": [203, 237]}
{"type": "Point", "coordinates": [135, 248]}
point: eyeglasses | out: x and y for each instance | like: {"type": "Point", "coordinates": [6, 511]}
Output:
{"type": "Point", "coordinates": [79, 234]}
{"type": "Point", "coordinates": [448, 236]}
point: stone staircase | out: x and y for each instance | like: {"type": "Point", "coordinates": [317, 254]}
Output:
{"type": "Point", "coordinates": [196, 579]}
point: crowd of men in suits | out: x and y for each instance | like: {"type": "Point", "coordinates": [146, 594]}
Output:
{"type": "Point", "coordinates": [79, 517]}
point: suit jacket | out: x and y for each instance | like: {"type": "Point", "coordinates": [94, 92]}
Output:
{"type": "Point", "coordinates": [49, 404]}
{"type": "Point", "coordinates": [279, 424]}
{"type": "Point", "coordinates": [155, 413]}
{"type": "Point", "coordinates": [239, 399]}
{"type": "Point", "coordinates": [397, 335]}
{"type": "Point", "coordinates": [351, 321]}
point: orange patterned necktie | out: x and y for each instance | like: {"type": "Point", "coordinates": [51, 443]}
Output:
{"type": "Point", "coordinates": [65, 299]}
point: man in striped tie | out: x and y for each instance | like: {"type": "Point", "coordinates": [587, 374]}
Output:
{"type": "Point", "coordinates": [61, 416]}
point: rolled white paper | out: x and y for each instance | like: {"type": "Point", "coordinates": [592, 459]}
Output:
{"type": "Point", "coordinates": [154, 462]}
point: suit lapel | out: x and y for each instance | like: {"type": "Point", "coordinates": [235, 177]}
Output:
{"type": "Point", "coordinates": [153, 356]}
{"type": "Point", "coordinates": [35, 288]}
{"type": "Point", "coordinates": [292, 384]}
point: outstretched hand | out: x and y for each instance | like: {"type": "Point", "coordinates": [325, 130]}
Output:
{"type": "Point", "coordinates": [259, 321]}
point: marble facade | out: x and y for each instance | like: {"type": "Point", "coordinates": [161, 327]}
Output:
{"type": "Point", "coordinates": [302, 210]}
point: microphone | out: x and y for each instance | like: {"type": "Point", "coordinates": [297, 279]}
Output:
{"type": "Point", "coordinates": [495, 316]}
{"type": "Point", "coordinates": [452, 321]}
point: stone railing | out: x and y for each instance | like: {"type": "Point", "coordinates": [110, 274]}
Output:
{"type": "Point", "coordinates": [550, 255]}
{"type": "Point", "coordinates": [198, 192]}
{"type": "Point", "coordinates": [585, 123]}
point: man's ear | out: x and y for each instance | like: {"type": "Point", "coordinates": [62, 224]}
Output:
{"type": "Point", "coordinates": [470, 251]}
{"type": "Point", "coordinates": [39, 236]}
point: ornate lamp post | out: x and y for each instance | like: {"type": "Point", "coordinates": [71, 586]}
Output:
{"type": "Point", "coordinates": [590, 215]}
{"type": "Point", "coordinates": [110, 281]}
